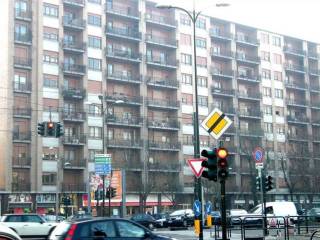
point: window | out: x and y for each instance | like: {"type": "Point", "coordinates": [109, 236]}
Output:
{"type": "Point", "coordinates": [186, 79]}
{"type": "Point", "coordinates": [50, 81]}
{"type": "Point", "coordinates": [186, 59]}
{"type": "Point", "coordinates": [50, 58]}
{"type": "Point", "coordinates": [280, 130]}
{"type": "Point", "coordinates": [95, 1]}
{"type": "Point", "coordinates": [201, 43]}
{"type": "Point", "coordinates": [265, 56]}
{"type": "Point", "coordinates": [268, 127]}
{"type": "Point", "coordinates": [201, 62]}
{"type": "Point", "coordinates": [265, 38]}
{"type": "Point", "coordinates": [50, 34]}
{"type": "Point", "coordinates": [94, 20]}
{"type": "Point", "coordinates": [185, 39]}
{"type": "Point", "coordinates": [50, 10]}
{"type": "Point", "coordinates": [267, 92]}
{"type": "Point", "coordinates": [94, 110]}
{"type": "Point", "coordinates": [184, 100]}
{"type": "Point", "coordinates": [203, 101]}
{"type": "Point", "coordinates": [99, 228]}
{"type": "Point", "coordinates": [129, 230]}
{"type": "Point", "coordinates": [20, 80]}
{"type": "Point", "coordinates": [49, 178]}
{"type": "Point", "coordinates": [94, 64]}
{"type": "Point", "coordinates": [92, 153]}
{"type": "Point", "coordinates": [277, 58]}
{"type": "Point", "coordinates": [276, 41]}
{"type": "Point", "coordinates": [185, 19]}
{"type": "Point", "coordinates": [94, 42]}
{"type": "Point", "coordinates": [267, 110]}
{"type": "Point", "coordinates": [95, 132]}
{"type": "Point", "coordinates": [201, 23]}
{"type": "Point", "coordinates": [277, 76]}
{"type": "Point", "coordinates": [266, 74]}
{"type": "Point", "coordinates": [202, 81]}
{"type": "Point", "coordinates": [278, 93]}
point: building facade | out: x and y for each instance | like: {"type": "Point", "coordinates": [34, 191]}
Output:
{"type": "Point", "coordinates": [66, 56]}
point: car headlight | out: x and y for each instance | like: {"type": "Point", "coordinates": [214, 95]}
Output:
{"type": "Point", "coordinates": [179, 218]}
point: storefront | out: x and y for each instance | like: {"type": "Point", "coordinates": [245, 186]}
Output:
{"type": "Point", "coordinates": [20, 203]}
{"type": "Point", "coordinates": [46, 203]}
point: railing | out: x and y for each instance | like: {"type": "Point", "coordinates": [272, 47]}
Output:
{"type": "Point", "coordinates": [220, 34]}
{"type": "Point", "coordinates": [297, 118]}
{"type": "Point", "coordinates": [251, 132]}
{"type": "Point", "coordinates": [21, 136]}
{"type": "Point", "coordinates": [157, 123]}
{"type": "Point", "coordinates": [125, 32]}
{"type": "Point", "coordinates": [249, 113]}
{"type": "Point", "coordinates": [248, 77]}
{"type": "Point", "coordinates": [23, 87]}
{"type": "Point", "coordinates": [119, 119]}
{"type": "Point", "coordinates": [313, 55]}
{"type": "Point", "coordinates": [73, 93]}
{"type": "Point", "coordinates": [22, 112]}
{"type": "Point", "coordinates": [314, 71]}
{"type": "Point", "coordinates": [160, 19]}
{"type": "Point", "coordinates": [126, 99]}
{"type": "Point", "coordinates": [215, 90]}
{"type": "Point", "coordinates": [124, 143]}
{"type": "Point", "coordinates": [22, 61]}
{"type": "Point", "coordinates": [23, 14]}
{"type": "Point", "coordinates": [298, 136]}
{"type": "Point", "coordinates": [164, 167]}
{"type": "Point", "coordinates": [119, 75]}
{"type": "Point", "coordinates": [74, 68]}
{"type": "Point", "coordinates": [295, 84]}
{"type": "Point", "coordinates": [74, 46]}
{"type": "Point", "coordinates": [293, 67]}
{"type": "Point", "coordinates": [73, 116]}
{"type": "Point", "coordinates": [126, 11]}
{"type": "Point", "coordinates": [21, 161]}
{"type": "Point", "coordinates": [74, 140]}
{"type": "Point", "coordinates": [252, 95]}
{"type": "Point", "coordinates": [246, 57]}
{"type": "Point", "coordinates": [74, 2]}
{"type": "Point", "coordinates": [164, 82]}
{"type": "Point", "coordinates": [26, 38]}
{"type": "Point", "coordinates": [21, 186]}
{"type": "Point", "coordinates": [73, 187]}
{"type": "Point", "coordinates": [221, 72]}
{"type": "Point", "coordinates": [162, 41]}
{"type": "Point", "coordinates": [114, 52]}
{"type": "Point", "coordinates": [296, 101]}
{"type": "Point", "coordinates": [163, 62]}
{"type": "Point", "coordinates": [163, 103]}
{"type": "Point", "coordinates": [74, 163]}
{"type": "Point", "coordinates": [221, 53]}
{"type": "Point", "coordinates": [74, 23]}
{"type": "Point", "coordinates": [164, 145]}
{"type": "Point", "coordinates": [293, 50]}
{"type": "Point", "coordinates": [247, 39]}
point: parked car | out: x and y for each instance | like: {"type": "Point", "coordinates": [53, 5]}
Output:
{"type": "Point", "coordinates": [145, 220]}
{"type": "Point", "coordinates": [181, 218]}
{"type": "Point", "coordinates": [161, 219]}
{"type": "Point", "coordinates": [235, 215]}
{"type": "Point", "coordinates": [314, 214]}
{"type": "Point", "coordinates": [79, 216]}
{"type": "Point", "coordinates": [53, 218]}
{"type": "Point", "coordinates": [103, 228]}
{"type": "Point", "coordinates": [7, 233]}
{"type": "Point", "coordinates": [28, 225]}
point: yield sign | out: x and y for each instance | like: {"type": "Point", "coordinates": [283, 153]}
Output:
{"type": "Point", "coordinates": [195, 165]}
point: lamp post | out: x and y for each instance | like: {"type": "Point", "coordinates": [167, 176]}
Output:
{"type": "Point", "coordinates": [193, 15]}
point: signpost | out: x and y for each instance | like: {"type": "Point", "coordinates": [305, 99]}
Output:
{"type": "Point", "coordinates": [197, 208]}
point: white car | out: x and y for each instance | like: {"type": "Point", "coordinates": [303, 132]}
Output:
{"type": "Point", "coordinates": [28, 225]}
{"type": "Point", "coordinates": [7, 233]}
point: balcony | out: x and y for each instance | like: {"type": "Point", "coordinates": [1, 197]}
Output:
{"type": "Point", "coordinates": [222, 92]}
{"type": "Point", "coordinates": [23, 38]}
{"type": "Point", "coordinates": [73, 187]}
{"type": "Point", "coordinates": [221, 73]}
{"type": "Point", "coordinates": [22, 87]}
{"type": "Point", "coordinates": [315, 121]}
{"type": "Point", "coordinates": [246, 40]}
{"type": "Point", "coordinates": [21, 136]}
{"type": "Point", "coordinates": [314, 88]}
{"type": "Point", "coordinates": [164, 146]}
{"type": "Point", "coordinates": [249, 113]}
{"type": "Point", "coordinates": [220, 35]}
{"type": "Point", "coordinates": [315, 104]}
{"type": "Point", "coordinates": [160, 20]}
{"type": "Point", "coordinates": [227, 110]}
{"type": "Point", "coordinates": [76, 140]}
{"type": "Point", "coordinates": [22, 62]}
{"type": "Point", "coordinates": [296, 102]}
{"type": "Point", "coordinates": [121, 11]}
{"type": "Point", "coordinates": [25, 15]}
{"type": "Point", "coordinates": [294, 51]}
{"type": "Point", "coordinates": [296, 85]}
{"type": "Point", "coordinates": [21, 112]}
{"type": "Point", "coordinates": [251, 132]}
{"type": "Point", "coordinates": [74, 69]}
{"type": "Point", "coordinates": [221, 54]}
{"type": "Point", "coordinates": [294, 68]}
{"type": "Point", "coordinates": [24, 186]}
{"type": "Point", "coordinates": [77, 163]}
{"type": "Point", "coordinates": [164, 167]}
{"type": "Point", "coordinates": [74, 24]}
{"type": "Point", "coordinates": [74, 3]}
{"type": "Point", "coordinates": [128, 100]}
{"type": "Point", "coordinates": [230, 131]}
{"type": "Point", "coordinates": [119, 120]}
{"type": "Point", "coordinates": [73, 46]}
{"type": "Point", "coordinates": [297, 119]}
{"type": "Point", "coordinates": [299, 137]}
{"type": "Point", "coordinates": [314, 71]}
{"type": "Point", "coordinates": [248, 59]}
{"type": "Point", "coordinates": [162, 82]}
{"type": "Point", "coordinates": [249, 95]}
{"type": "Point", "coordinates": [73, 116]}
{"type": "Point", "coordinates": [123, 33]}
{"type": "Point", "coordinates": [313, 55]}
{"type": "Point", "coordinates": [159, 124]}
{"type": "Point", "coordinates": [248, 77]}
{"type": "Point", "coordinates": [124, 143]}
{"type": "Point", "coordinates": [163, 103]}
{"type": "Point", "coordinates": [124, 55]}
{"type": "Point", "coordinates": [124, 76]}
{"type": "Point", "coordinates": [73, 93]}
{"type": "Point", "coordinates": [316, 138]}
{"type": "Point", "coordinates": [162, 62]}
{"type": "Point", "coordinates": [21, 162]}
{"type": "Point", "coordinates": [163, 42]}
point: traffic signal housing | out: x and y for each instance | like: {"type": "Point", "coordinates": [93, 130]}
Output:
{"type": "Point", "coordinates": [258, 184]}
{"type": "Point", "coordinates": [113, 192]}
{"type": "Point", "coordinates": [222, 154]}
{"type": "Point", "coordinates": [268, 186]}
{"type": "Point", "coordinates": [210, 164]}
{"type": "Point", "coordinates": [58, 129]}
{"type": "Point", "coordinates": [41, 129]}
{"type": "Point", "coordinates": [50, 129]}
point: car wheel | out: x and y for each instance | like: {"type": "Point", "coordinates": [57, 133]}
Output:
{"type": "Point", "coordinates": [185, 223]}
{"type": "Point", "coordinates": [151, 226]}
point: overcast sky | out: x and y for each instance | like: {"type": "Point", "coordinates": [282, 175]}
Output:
{"type": "Point", "coordinates": [297, 18]}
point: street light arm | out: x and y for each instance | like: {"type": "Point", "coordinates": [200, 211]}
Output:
{"type": "Point", "coordinates": [179, 8]}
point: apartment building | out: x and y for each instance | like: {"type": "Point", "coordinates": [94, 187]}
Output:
{"type": "Point", "coordinates": [64, 57]}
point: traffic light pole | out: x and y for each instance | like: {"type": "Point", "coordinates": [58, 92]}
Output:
{"type": "Point", "coordinates": [263, 212]}
{"type": "Point", "coordinates": [223, 209]}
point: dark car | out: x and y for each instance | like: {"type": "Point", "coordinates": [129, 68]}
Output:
{"type": "Point", "coordinates": [181, 218]}
{"type": "Point", "coordinates": [145, 220]}
{"type": "Point", "coordinates": [314, 214]}
{"type": "Point", "coordinates": [102, 228]}
{"type": "Point", "coordinates": [161, 219]}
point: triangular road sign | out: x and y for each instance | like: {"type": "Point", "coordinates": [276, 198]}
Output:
{"type": "Point", "coordinates": [195, 165]}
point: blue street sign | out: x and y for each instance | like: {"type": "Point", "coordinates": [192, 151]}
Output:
{"type": "Point", "coordinates": [197, 208]}
{"type": "Point", "coordinates": [103, 164]}
{"type": "Point", "coordinates": [208, 207]}
{"type": "Point", "coordinates": [258, 155]}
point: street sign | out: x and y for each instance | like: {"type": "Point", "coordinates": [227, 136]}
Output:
{"type": "Point", "coordinates": [208, 207]}
{"type": "Point", "coordinates": [102, 164]}
{"type": "Point", "coordinates": [195, 165]}
{"type": "Point", "coordinates": [258, 156]}
{"type": "Point", "coordinates": [197, 208]}
{"type": "Point", "coordinates": [216, 123]}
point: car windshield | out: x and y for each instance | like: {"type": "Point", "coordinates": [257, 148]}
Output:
{"type": "Point", "coordinates": [178, 212]}
{"type": "Point", "coordinates": [238, 212]}
{"type": "Point", "coordinates": [256, 210]}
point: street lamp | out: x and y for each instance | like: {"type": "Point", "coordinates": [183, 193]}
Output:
{"type": "Point", "coordinates": [193, 15]}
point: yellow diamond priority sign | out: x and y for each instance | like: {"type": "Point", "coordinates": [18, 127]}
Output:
{"type": "Point", "coordinates": [216, 123]}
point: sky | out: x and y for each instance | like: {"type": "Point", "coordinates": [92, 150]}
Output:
{"type": "Point", "coordinates": [296, 18]}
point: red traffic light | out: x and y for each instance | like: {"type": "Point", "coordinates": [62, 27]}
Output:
{"type": "Point", "coordinates": [50, 125]}
{"type": "Point", "coordinates": [222, 153]}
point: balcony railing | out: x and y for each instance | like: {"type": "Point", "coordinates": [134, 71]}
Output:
{"type": "Point", "coordinates": [76, 69]}
{"type": "Point", "coordinates": [126, 121]}
{"type": "Point", "coordinates": [248, 77]}
{"type": "Point", "coordinates": [293, 67]}
{"type": "Point", "coordinates": [136, 100]}
{"type": "Point", "coordinates": [22, 87]}
{"type": "Point", "coordinates": [296, 85]}
{"type": "Point", "coordinates": [314, 71]}
{"type": "Point", "coordinates": [74, 140]}
{"type": "Point", "coordinates": [250, 113]}
{"type": "Point", "coordinates": [163, 62]}
{"type": "Point", "coordinates": [220, 34]}
{"type": "Point", "coordinates": [73, 46]}
{"type": "Point", "coordinates": [224, 73]}
{"type": "Point", "coordinates": [162, 20]}
{"type": "Point", "coordinates": [313, 54]}
{"type": "Point", "coordinates": [301, 136]}
{"type": "Point", "coordinates": [21, 136]}
{"type": "Point", "coordinates": [124, 77]}
{"type": "Point", "coordinates": [315, 121]}
{"type": "Point", "coordinates": [124, 33]}
{"type": "Point", "coordinates": [221, 53]}
{"type": "Point", "coordinates": [227, 110]}
{"type": "Point", "coordinates": [73, 93]}
{"type": "Point", "coordinates": [127, 12]}
{"type": "Point", "coordinates": [163, 124]}
{"type": "Point", "coordinates": [254, 132]}
{"type": "Point", "coordinates": [73, 116]}
{"type": "Point", "coordinates": [294, 51]}
{"type": "Point", "coordinates": [162, 82]}
{"type": "Point", "coordinates": [21, 161]}
{"type": "Point", "coordinates": [315, 104]}
{"type": "Point", "coordinates": [247, 40]}
{"type": "Point", "coordinates": [23, 15]}
{"type": "Point", "coordinates": [124, 143]}
{"type": "Point", "coordinates": [76, 3]}
{"type": "Point", "coordinates": [74, 163]}
{"type": "Point", "coordinates": [23, 38]}
{"type": "Point", "coordinates": [249, 95]}
{"type": "Point", "coordinates": [247, 58]}
{"type": "Point", "coordinates": [158, 145]}
{"type": "Point", "coordinates": [161, 41]}
{"type": "Point", "coordinates": [22, 112]}
{"type": "Point", "coordinates": [166, 167]}
{"type": "Point", "coordinates": [22, 62]}
{"type": "Point", "coordinates": [316, 137]}
{"type": "Point", "coordinates": [299, 119]}
{"type": "Point", "coordinates": [299, 102]}
{"type": "Point", "coordinates": [163, 103]}
{"type": "Point", "coordinates": [78, 24]}
{"type": "Point", "coordinates": [221, 91]}
{"type": "Point", "coordinates": [24, 186]}
{"type": "Point", "coordinates": [123, 54]}
{"type": "Point", "coordinates": [73, 187]}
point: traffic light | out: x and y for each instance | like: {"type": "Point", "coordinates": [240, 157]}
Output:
{"type": "Point", "coordinates": [66, 201]}
{"type": "Point", "coordinates": [41, 129]}
{"type": "Point", "coordinates": [258, 188]}
{"type": "Point", "coordinates": [210, 164]}
{"type": "Point", "coordinates": [222, 155]}
{"type": "Point", "coordinates": [58, 130]}
{"type": "Point", "coordinates": [268, 186]}
{"type": "Point", "coordinates": [113, 192]}
{"type": "Point", "coordinates": [50, 129]}
{"type": "Point", "coordinates": [107, 192]}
